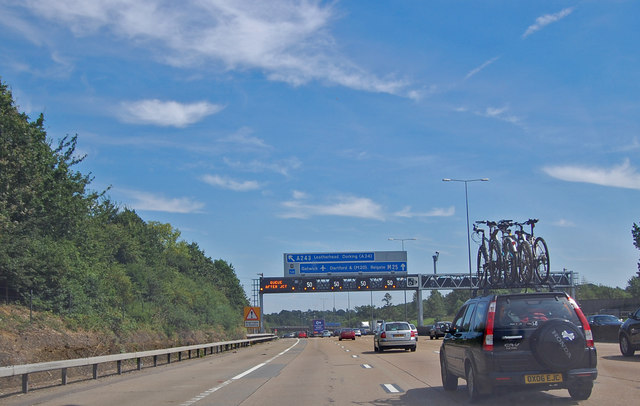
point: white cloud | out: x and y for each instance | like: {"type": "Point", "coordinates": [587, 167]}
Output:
{"type": "Point", "coordinates": [436, 212]}
{"type": "Point", "coordinates": [227, 183]}
{"type": "Point", "coordinates": [622, 176]}
{"type": "Point", "coordinates": [151, 202]}
{"type": "Point", "coordinates": [547, 19]}
{"type": "Point", "coordinates": [500, 113]}
{"type": "Point", "coordinates": [283, 167]}
{"type": "Point", "coordinates": [166, 113]}
{"type": "Point", "coordinates": [563, 223]}
{"type": "Point", "coordinates": [481, 67]}
{"type": "Point", "coordinates": [287, 39]}
{"type": "Point", "coordinates": [344, 206]}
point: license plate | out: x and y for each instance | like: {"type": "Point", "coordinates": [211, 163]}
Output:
{"type": "Point", "coordinates": [398, 335]}
{"type": "Point", "coordinates": [543, 378]}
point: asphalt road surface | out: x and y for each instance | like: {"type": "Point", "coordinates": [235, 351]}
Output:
{"type": "Point", "coordinates": [319, 371]}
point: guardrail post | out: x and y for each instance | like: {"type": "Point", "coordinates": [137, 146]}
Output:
{"type": "Point", "coordinates": [25, 383]}
{"type": "Point", "coordinates": [119, 363]}
{"type": "Point", "coordinates": [139, 361]}
{"type": "Point", "coordinates": [155, 360]}
{"type": "Point", "coordinates": [64, 376]}
{"type": "Point", "coordinates": [180, 356]}
{"type": "Point", "coordinates": [169, 358]}
{"type": "Point", "coordinates": [95, 371]}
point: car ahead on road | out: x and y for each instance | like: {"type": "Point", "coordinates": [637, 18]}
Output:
{"type": "Point", "coordinates": [326, 333]}
{"type": "Point", "coordinates": [629, 335]}
{"type": "Point", "coordinates": [535, 341]}
{"type": "Point", "coordinates": [302, 334]}
{"type": "Point", "coordinates": [358, 332]}
{"type": "Point", "coordinates": [347, 334]}
{"type": "Point", "coordinates": [605, 327]}
{"type": "Point", "coordinates": [415, 330]}
{"type": "Point", "coordinates": [439, 329]}
{"type": "Point", "coordinates": [394, 334]}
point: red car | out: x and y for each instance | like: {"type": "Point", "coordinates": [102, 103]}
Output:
{"type": "Point", "coordinates": [302, 334]}
{"type": "Point", "coordinates": [347, 334]}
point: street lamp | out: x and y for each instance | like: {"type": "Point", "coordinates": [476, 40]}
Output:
{"type": "Point", "coordinates": [466, 200]}
{"type": "Point", "coordinates": [403, 240]}
{"type": "Point", "coordinates": [405, 291]}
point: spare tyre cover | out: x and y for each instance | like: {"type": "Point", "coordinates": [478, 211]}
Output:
{"type": "Point", "coordinates": [559, 345]}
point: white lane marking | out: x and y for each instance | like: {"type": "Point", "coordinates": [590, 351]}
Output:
{"type": "Point", "coordinates": [239, 376]}
{"type": "Point", "coordinates": [390, 388]}
{"type": "Point", "coordinates": [354, 356]}
{"type": "Point", "coordinates": [366, 366]}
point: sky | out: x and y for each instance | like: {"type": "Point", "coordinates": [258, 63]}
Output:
{"type": "Point", "coordinates": [261, 128]}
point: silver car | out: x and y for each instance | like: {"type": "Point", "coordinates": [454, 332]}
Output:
{"type": "Point", "coordinates": [394, 334]}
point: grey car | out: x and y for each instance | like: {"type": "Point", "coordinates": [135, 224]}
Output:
{"type": "Point", "coordinates": [394, 334]}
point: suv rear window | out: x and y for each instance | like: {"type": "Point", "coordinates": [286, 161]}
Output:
{"type": "Point", "coordinates": [528, 311]}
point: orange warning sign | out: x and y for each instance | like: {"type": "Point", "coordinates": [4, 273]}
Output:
{"type": "Point", "coordinates": [251, 313]}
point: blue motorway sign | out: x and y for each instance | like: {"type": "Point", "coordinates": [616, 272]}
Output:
{"type": "Point", "coordinates": [345, 263]}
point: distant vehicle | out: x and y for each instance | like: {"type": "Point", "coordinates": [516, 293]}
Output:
{"type": "Point", "coordinates": [394, 334]}
{"type": "Point", "coordinates": [302, 334]}
{"type": "Point", "coordinates": [530, 341]}
{"type": "Point", "coordinates": [414, 329]}
{"type": "Point", "coordinates": [605, 327]}
{"type": "Point", "coordinates": [629, 336]}
{"type": "Point", "coordinates": [358, 332]}
{"type": "Point", "coordinates": [347, 334]}
{"type": "Point", "coordinates": [439, 329]}
{"type": "Point", "coordinates": [326, 333]}
{"type": "Point", "coordinates": [336, 332]}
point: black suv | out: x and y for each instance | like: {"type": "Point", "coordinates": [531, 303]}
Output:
{"type": "Point", "coordinates": [629, 334]}
{"type": "Point", "coordinates": [537, 341]}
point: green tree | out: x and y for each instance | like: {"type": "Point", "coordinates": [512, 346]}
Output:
{"type": "Point", "coordinates": [435, 306]}
{"type": "Point", "coordinates": [633, 286]}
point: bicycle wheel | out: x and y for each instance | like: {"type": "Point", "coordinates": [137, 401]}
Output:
{"type": "Point", "coordinates": [541, 259]}
{"type": "Point", "coordinates": [494, 277]}
{"type": "Point", "coordinates": [483, 266]}
{"type": "Point", "coordinates": [509, 263]}
{"type": "Point", "coordinates": [525, 263]}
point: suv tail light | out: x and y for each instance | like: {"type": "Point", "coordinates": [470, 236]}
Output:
{"type": "Point", "coordinates": [413, 333]}
{"type": "Point", "coordinates": [585, 324]}
{"type": "Point", "coordinates": [383, 335]}
{"type": "Point", "coordinates": [488, 333]}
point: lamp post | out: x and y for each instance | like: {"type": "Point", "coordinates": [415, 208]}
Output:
{"type": "Point", "coordinates": [405, 291]}
{"type": "Point", "coordinates": [435, 259]}
{"type": "Point", "coordinates": [466, 200]}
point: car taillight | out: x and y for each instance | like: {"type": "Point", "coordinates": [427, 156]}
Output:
{"type": "Point", "coordinates": [383, 335]}
{"type": "Point", "coordinates": [488, 332]}
{"type": "Point", "coordinates": [585, 324]}
{"type": "Point", "coordinates": [413, 333]}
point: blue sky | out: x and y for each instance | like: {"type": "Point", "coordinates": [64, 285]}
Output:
{"type": "Point", "coordinates": [258, 128]}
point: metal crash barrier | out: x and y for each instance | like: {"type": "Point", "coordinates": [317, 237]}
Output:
{"type": "Point", "coordinates": [192, 350]}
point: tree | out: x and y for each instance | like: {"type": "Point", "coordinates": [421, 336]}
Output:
{"type": "Point", "coordinates": [435, 306]}
{"type": "Point", "coordinates": [633, 286]}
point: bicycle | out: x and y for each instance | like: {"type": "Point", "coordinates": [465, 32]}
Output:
{"type": "Point", "coordinates": [488, 261]}
{"type": "Point", "coordinates": [482, 261]}
{"type": "Point", "coordinates": [525, 262]}
{"type": "Point", "coordinates": [540, 254]}
{"type": "Point", "coordinates": [508, 253]}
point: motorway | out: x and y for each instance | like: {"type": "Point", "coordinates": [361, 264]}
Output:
{"type": "Point", "coordinates": [318, 371]}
